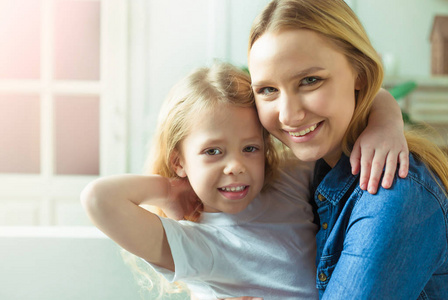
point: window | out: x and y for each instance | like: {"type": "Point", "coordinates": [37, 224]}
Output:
{"type": "Point", "coordinates": [63, 88]}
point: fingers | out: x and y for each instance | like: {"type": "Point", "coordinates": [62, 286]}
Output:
{"type": "Point", "coordinates": [366, 165]}
{"type": "Point", "coordinates": [355, 158]}
{"type": "Point", "coordinates": [389, 172]}
{"type": "Point", "coordinates": [391, 166]}
{"type": "Point", "coordinates": [372, 166]}
{"type": "Point", "coordinates": [376, 164]}
{"type": "Point", "coordinates": [403, 158]}
{"type": "Point", "coordinates": [376, 171]}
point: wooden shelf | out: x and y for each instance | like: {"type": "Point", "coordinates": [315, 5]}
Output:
{"type": "Point", "coordinates": [428, 103]}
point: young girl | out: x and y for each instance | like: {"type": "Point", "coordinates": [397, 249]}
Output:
{"type": "Point", "coordinates": [245, 242]}
{"type": "Point", "coordinates": [312, 66]}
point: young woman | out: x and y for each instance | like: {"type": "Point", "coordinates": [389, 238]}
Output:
{"type": "Point", "coordinates": [314, 76]}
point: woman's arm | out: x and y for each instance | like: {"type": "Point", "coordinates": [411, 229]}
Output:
{"type": "Point", "coordinates": [112, 203]}
{"type": "Point", "coordinates": [381, 144]}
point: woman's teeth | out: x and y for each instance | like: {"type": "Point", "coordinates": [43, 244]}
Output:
{"type": "Point", "coordinates": [233, 189]}
{"type": "Point", "coordinates": [303, 132]}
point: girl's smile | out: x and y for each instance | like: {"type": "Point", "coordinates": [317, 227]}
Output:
{"type": "Point", "coordinates": [234, 192]}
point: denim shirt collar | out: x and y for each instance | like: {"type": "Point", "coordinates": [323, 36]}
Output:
{"type": "Point", "coordinates": [337, 181]}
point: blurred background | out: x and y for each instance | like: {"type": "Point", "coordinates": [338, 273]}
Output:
{"type": "Point", "coordinates": [81, 83]}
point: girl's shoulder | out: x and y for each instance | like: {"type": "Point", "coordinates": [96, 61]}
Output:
{"type": "Point", "coordinates": [295, 169]}
{"type": "Point", "coordinates": [292, 183]}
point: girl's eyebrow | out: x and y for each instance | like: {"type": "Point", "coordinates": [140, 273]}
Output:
{"type": "Point", "coordinates": [213, 141]}
{"type": "Point", "coordinates": [299, 74]}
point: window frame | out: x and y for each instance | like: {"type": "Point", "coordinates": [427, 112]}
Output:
{"type": "Point", "coordinates": [47, 198]}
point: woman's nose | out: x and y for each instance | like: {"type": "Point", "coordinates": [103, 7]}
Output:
{"type": "Point", "coordinates": [234, 166]}
{"type": "Point", "coordinates": [291, 110]}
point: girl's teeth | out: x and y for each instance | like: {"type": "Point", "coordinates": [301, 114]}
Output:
{"type": "Point", "coordinates": [233, 189]}
{"type": "Point", "coordinates": [303, 132]}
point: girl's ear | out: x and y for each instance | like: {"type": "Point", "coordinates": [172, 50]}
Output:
{"type": "Point", "coordinates": [177, 164]}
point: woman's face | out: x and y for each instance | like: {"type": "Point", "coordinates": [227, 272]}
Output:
{"type": "Point", "coordinates": [304, 91]}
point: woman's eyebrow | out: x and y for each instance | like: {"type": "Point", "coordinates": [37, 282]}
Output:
{"type": "Point", "coordinates": [307, 72]}
{"type": "Point", "coordinates": [299, 74]}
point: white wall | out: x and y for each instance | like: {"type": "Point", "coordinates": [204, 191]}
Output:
{"type": "Point", "coordinates": [241, 15]}
{"type": "Point", "coordinates": [402, 28]}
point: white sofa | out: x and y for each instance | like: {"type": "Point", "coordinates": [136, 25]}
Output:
{"type": "Point", "coordinates": [53, 263]}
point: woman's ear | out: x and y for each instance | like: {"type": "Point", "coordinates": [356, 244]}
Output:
{"type": "Point", "coordinates": [177, 164]}
{"type": "Point", "coordinates": [359, 83]}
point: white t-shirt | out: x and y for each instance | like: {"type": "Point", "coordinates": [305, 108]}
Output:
{"type": "Point", "coordinates": [268, 250]}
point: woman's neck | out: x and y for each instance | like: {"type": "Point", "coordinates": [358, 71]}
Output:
{"type": "Point", "coordinates": [333, 158]}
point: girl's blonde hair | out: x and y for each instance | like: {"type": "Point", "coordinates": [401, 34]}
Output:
{"type": "Point", "coordinates": [203, 89]}
{"type": "Point", "coordinates": [338, 23]}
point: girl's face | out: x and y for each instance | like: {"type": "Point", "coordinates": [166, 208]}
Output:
{"type": "Point", "coordinates": [223, 158]}
{"type": "Point", "coordinates": [304, 91]}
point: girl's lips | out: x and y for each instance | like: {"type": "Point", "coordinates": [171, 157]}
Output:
{"type": "Point", "coordinates": [234, 192]}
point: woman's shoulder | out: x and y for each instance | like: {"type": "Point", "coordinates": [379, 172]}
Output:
{"type": "Point", "coordinates": [420, 175]}
{"type": "Point", "coordinates": [420, 191]}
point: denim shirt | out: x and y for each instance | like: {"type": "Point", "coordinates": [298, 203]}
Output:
{"type": "Point", "coordinates": [391, 245]}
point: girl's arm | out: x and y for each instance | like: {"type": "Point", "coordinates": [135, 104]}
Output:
{"type": "Point", "coordinates": [381, 143]}
{"type": "Point", "coordinates": [112, 203]}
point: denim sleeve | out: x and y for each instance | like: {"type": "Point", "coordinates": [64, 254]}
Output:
{"type": "Point", "coordinates": [395, 241]}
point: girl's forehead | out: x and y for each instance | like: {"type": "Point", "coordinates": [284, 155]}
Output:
{"type": "Point", "coordinates": [210, 111]}
{"type": "Point", "coordinates": [224, 115]}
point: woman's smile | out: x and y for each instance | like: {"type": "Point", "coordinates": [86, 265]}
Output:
{"type": "Point", "coordinates": [304, 135]}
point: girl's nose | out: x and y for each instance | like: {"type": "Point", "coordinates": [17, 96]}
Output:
{"type": "Point", "coordinates": [234, 166]}
{"type": "Point", "coordinates": [291, 110]}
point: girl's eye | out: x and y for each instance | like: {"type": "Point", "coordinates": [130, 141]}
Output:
{"type": "Point", "coordinates": [309, 80]}
{"type": "Point", "coordinates": [266, 91]}
{"type": "Point", "coordinates": [250, 149]}
{"type": "Point", "coordinates": [212, 152]}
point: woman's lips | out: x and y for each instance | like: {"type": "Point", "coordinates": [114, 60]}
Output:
{"type": "Point", "coordinates": [306, 134]}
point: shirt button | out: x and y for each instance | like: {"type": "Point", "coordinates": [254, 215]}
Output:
{"type": "Point", "coordinates": [321, 197]}
{"type": "Point", "coordinates": [322, 276]}
{"type": "Point", "coordinates": [324, 226]}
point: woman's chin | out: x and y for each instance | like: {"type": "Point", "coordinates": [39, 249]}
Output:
{"type": "Point", "coordinates": [308, 155]}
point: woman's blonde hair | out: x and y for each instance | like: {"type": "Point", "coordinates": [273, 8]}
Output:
{"type": "Point", "coordinates": [335, 20]}
{"type": "Point", "coordinates": [200, 90]}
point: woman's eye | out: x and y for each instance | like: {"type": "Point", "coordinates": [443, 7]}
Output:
{"type": "Point", "coordinates": [309, 80]}
{"type": "Point", "coordinates": [250, 149]}
{"type": "Point", "coordinates": [212, 152]}
{"type": "Point", "coordinates": [266, 91]}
